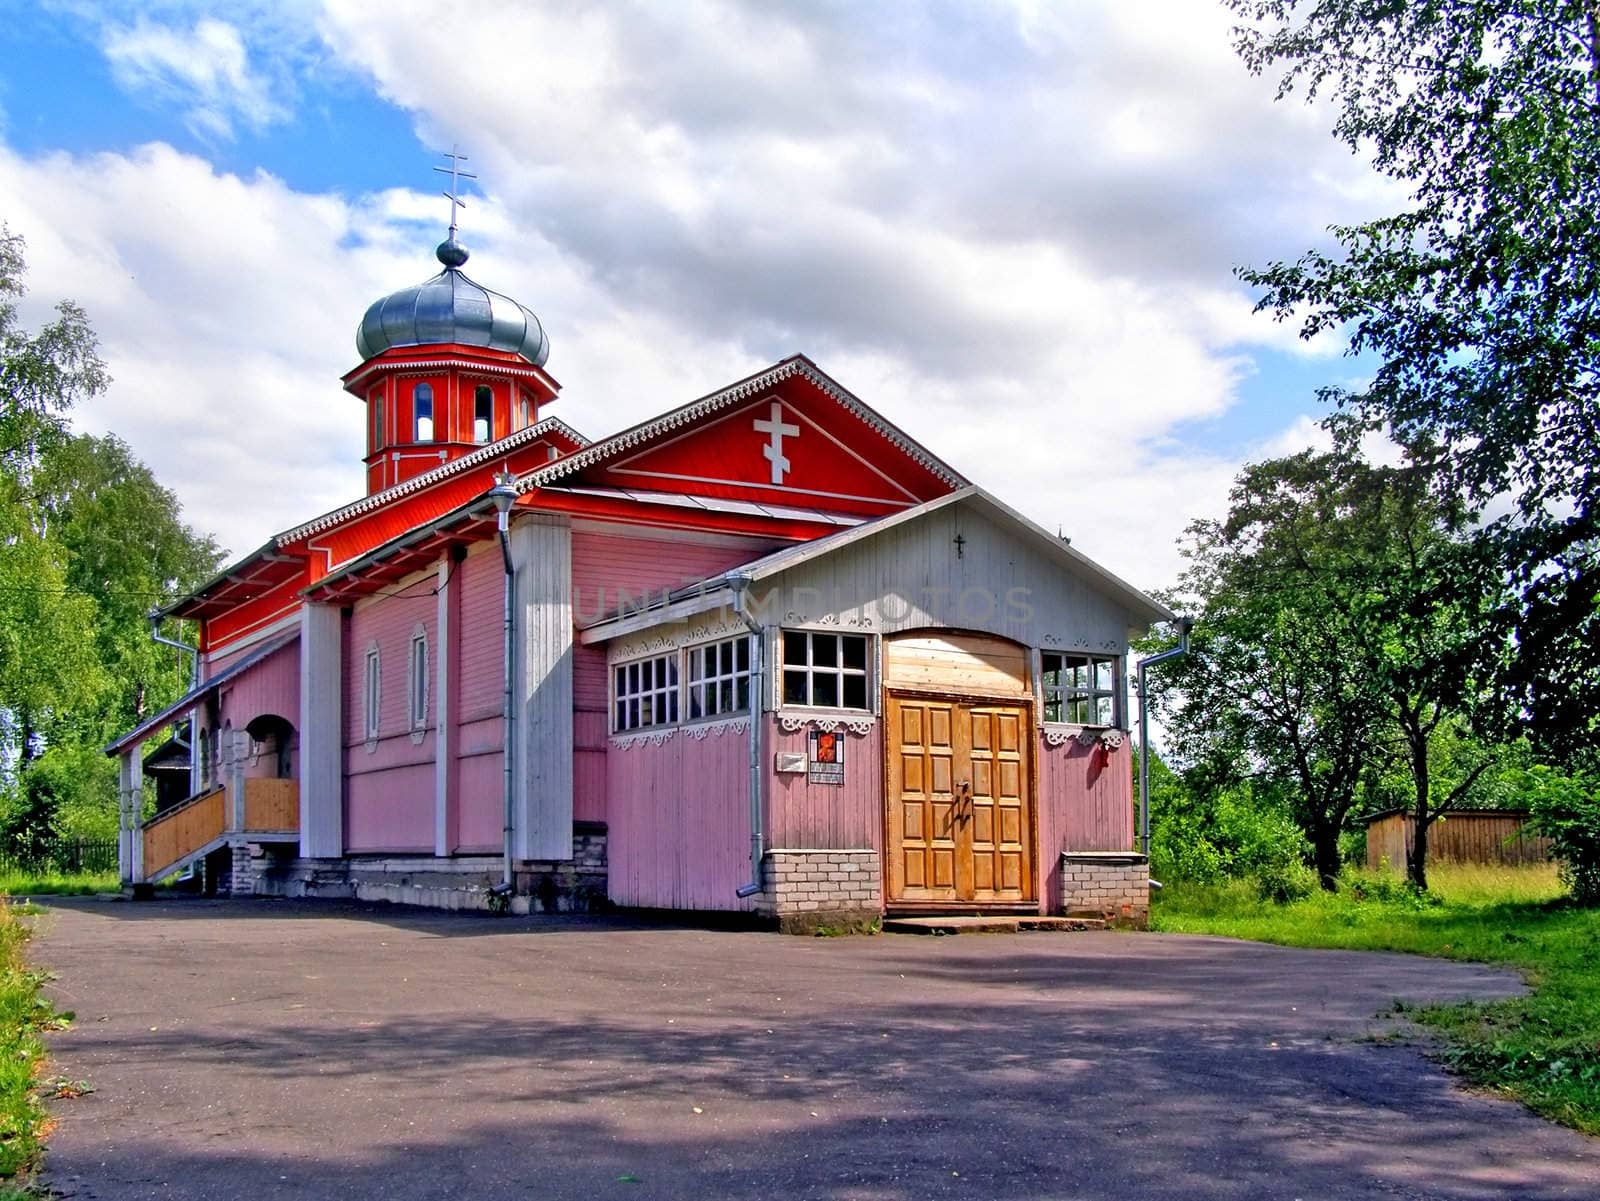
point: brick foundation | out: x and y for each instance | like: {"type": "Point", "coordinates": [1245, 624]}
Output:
{"type": "Point", "coordinates": [806, 890]}
{"type": "Point", "coordinates": [241, 880]}
{"type": "Point", "coordinates": [1114, 885]}
{"type": "Point", "coordinates": [461, 882]}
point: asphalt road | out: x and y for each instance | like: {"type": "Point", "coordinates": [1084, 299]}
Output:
{"type": "Point", "coordinates": [277, 1049]}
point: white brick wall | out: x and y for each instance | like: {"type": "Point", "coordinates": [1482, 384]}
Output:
{"type": "Point", "coordinates": [1113, 885]}
{"type": "Point", "coordinates": [822, 882]}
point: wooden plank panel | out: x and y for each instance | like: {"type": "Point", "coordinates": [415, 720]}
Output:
{"type": "Point", "coordinates": [956, 664]}
{"type": "Point", "coordinates": [271, 804]}
{"type": "Point", "coordinates": [183, 830]}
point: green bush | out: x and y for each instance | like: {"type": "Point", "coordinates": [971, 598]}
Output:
{"type": "Point", "coordinates": [1285, 881]}
{"type": "Point", "coordinates": [1232, 833]}
{"type": "Point", "coordinates": [1566, 810]}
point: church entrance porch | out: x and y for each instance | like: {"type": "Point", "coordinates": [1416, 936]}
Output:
{"type": "Point", "coordinates": [959, 804]}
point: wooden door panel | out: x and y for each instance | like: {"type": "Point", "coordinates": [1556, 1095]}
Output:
{"type": "Point", "coordinates": [959, 825]}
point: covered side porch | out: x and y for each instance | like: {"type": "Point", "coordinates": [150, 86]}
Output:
{"type": "Point", "coordinates": [242, 798]}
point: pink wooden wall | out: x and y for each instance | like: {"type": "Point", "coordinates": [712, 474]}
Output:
{"type": "Point", "coordinates": [801, 815]}
{"type": "Point", "coordinates": [607, 569]}
{"type": "Point", "coordinates": [477, 786]}
{"type": "Point", "coordinates": [271, 686]}
{"type": "Point", "coordinates": [389, 789]}
{"type": "Point", "coordinates": [1085, 804]}
{"type": "Point", "coordinates": [679, 822]}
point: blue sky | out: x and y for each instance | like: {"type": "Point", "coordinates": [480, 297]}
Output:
{"type": "Point", "coordinates": [1009, 226]}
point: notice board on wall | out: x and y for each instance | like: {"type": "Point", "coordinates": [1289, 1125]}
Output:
{"type": "Point", "coordinates": [825, 763]}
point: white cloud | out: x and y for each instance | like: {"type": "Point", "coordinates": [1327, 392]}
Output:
{"type": "Point", "coordinates": [1010, 230]}
{"type": "Point", "coordinates": [205, 70]}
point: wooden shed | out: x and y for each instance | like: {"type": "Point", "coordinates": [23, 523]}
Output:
{"type": "Point", "coordinates": [1460, 836]}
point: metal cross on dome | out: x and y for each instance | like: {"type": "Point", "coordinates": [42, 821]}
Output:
{"type": "Point", "coordinates": [456, 174]}
{"type": "Point", "coordinates": [779, 430]}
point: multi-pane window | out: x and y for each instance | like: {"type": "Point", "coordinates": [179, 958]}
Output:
{"type": "Point", "coordinates": [719, 678]}
{"type": "Point", "coordinates": [370, 696]}
{"type": "Point", "coordinates": [1080, 690]}
{"type": "Point", "coordinates": [824, 671]}
{"type": "Point", "coordinates": [422, 412]}
{"type": "Point", "coordinates": [646, 693]}
{"type": "Point", "coordinates": [482, 413]}
{"type": "Point", "coordinates": [417, 681]}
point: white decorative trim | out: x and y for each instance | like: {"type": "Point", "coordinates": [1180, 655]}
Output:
{"type": "Point", "coordinates": [793, 723]}
{"type": "Point", "coordinates": [1057, 734]}
{"type": "Point", "coordinates": [643, 646]}
{"type": "Point", "coordinates": [700, 731]}
{"type": "Point", "coordinates": [624, 742]}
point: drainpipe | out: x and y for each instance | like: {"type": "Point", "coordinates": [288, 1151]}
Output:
{"type": "Point", "coordinates": [741, 589]}
{"type": "Point", "coordinates": [1185, 624]}
{"type": "Point", "coordinates": [504, 494]}
{"type": "Point", "coordinates": [194, 651]}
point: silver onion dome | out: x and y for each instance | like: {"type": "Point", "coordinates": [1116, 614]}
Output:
{"type": "Point", "coordinates": [451, 308]}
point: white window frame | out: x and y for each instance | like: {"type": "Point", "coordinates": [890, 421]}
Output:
{"type": "Point", "coordinates": [811, 670]}
{"type": "Point", "coordinates": [488, 422]}
{"type": "Point", "coordinates": [420, 392]}
{"type": "Point", "coordinates": [709, 676]}
{"type": "Point", "coordinates": [372, 696]}
{"type": "Point", "coordinates": [1064, 696]}
{"type": "Point", "coordinates": [417, 690]}
{"type": "Point", "coordinates": [646, 692]}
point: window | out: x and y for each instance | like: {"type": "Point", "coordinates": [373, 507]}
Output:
{"type": "Point", "coordinates": [417, 681]}
{"type": "Point", "coordinates": [1080, 690]}
{"type": "Point", "coordinates": [422, 412]}
{"type": "Point", "coordinates": [527, 411]}
{"type": "Point", "coordinates": [825, 671]}
{"type": "Point", "coordinates": [370, 696]}
{"type": "Point", "coordinates": [483, 414]}
{"type": "Point", "coordinates": [377, 419]}
{"type": "Point", "coordinates": [719, 678]}
{"type": "Point", "coordinates": [646, 693]}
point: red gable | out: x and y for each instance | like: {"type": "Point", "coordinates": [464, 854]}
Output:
{"type": "Point", "coordinates": [787, 437]}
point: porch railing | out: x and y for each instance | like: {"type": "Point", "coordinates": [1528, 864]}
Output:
{"type": "Point", "coordinates": [268, 809]}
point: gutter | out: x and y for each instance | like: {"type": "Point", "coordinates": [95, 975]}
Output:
{"type": "Point", "coordinates": [194, 651]}
{"type": "Point", "coordinates": [741, 589]}
{"type": "Point", "coordinates": [1185, 624]}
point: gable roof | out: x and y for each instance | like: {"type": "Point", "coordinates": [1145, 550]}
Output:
{"type": "Point", "coordinates": [711, 593]}
{"type": "Point", "coordinates": [795, 366]}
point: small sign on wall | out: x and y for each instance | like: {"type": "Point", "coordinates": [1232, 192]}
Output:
{"type": "Point", "coordinates": [789, 762]}
{"type": "Point", "coordinates": [825, 765]}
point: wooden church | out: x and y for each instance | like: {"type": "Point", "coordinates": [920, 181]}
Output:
{"type": "Point", "coordinates": [762, 653]}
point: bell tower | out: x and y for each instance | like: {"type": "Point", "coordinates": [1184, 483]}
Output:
{"type": "Point", "coordinates": [447, 366]}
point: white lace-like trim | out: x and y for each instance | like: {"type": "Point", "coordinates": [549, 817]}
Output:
{"type": "Point", "coordinates": [793, 723]}
{"type": "Point", "coordinates": [1055, 736]}
{"type": "Point", "coordinates": [700, 731]}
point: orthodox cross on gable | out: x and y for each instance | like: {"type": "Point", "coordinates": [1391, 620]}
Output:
{"type": "Point", "coordinates": [773, 450]}
{"type": "Point", "coordinates": [456, 175]}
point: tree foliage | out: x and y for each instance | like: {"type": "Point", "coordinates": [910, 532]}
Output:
{"type": "Point", "coordinates": [1346, 623]}
{"type": "Point", "coordinates": [89, 542]}
{"type": "Point", "coordinates": [1481, 297]}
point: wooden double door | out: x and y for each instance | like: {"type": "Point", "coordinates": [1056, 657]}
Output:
{"type": "Point", "coordinates": [960, 817]}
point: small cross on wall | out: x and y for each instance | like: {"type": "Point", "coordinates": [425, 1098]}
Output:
{"type": "Point", "coordinates": [773, 450]}
{"type": "Point", "coordinates": [961, 545]}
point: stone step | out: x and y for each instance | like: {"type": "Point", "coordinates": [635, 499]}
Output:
{"type": "Point", "coordinates": [988, 924]}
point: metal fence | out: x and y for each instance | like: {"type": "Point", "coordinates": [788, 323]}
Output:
{"type": "Point", "coordinates": [68, 856]}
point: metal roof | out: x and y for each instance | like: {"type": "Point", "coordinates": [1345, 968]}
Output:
{"type": "Point", "coordinates": [450, 308]}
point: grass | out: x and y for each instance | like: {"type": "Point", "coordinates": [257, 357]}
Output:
{"type": "Point", "coordinates": [48, 883]}
{"type": "Point", "coordinates": [1543, 1049]}
{"type": "Point", "coordinates": [24, 1014]}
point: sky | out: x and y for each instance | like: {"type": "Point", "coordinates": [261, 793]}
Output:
{"type": "Point", "coordinates": [1012, 227]}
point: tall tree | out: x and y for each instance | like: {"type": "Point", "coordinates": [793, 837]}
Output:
{"type": "Point", "coordinates": [1346, 614]}
{"type": "Point", "coordinates": [1481, 298]}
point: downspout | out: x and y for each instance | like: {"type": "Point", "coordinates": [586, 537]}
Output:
{"type": "Point", "coordinates": [194, 651]}
{"type": "Point", "coordinates": [741, 589]}
{"type": "Point", "coordinates": [1185, 624]}
{"type": "Point", "coordinates": [504, 494]}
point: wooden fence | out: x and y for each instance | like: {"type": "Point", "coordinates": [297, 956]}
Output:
{"type": "Point", "coordinates": [1460, 836]}
{"type": "Point", "coordinates": [67, 856]}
